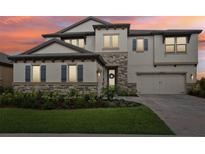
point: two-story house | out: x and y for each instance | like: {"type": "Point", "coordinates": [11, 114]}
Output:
{"type": "Point", "coordinates": [93, 53]}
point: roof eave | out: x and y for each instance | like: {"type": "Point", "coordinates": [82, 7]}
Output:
{"type": "Point", "coordinates": [59, 57]}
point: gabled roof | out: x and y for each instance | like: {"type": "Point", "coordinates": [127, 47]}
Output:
{"type": "Point", "coordinates": [81, 53]}
{"type": "Point", "coordinates": [81, 50]}
{"type": "Point", "coordinates": [83, 21]}
{"type": "Point", "coordinates": [4, 59]}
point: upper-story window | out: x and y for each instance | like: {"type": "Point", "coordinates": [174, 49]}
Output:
{"type": "Point", "coordinates": [140, 45]}
{"type": "Point", "coordinates": [111, 41]}
{"type": "Point", "coordinates": [77, 42]}
{"type": "Point", "coordinates": [175, 44]}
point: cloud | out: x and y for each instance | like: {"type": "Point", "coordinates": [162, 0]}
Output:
{"type": "Point", "coordinates": [17, 33]}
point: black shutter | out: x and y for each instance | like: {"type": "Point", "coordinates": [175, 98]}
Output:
{"type": "Point", "coordinates": [43, 73]}
{"type": "Point", "coordinates": [134, 45]}
{"type": "Point", "coordinates": [63, 73]}
{"type": "Point", "coordinates": [80, 73]}
{"type": "Point", "coordinates": [145, 44]}
{"type": "Point", "coordinates": [28, 73]}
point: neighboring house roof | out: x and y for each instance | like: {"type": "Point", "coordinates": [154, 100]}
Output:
{"type": "Point", "coordinates": [69, 35]}
{"type": "Point", "coordinates": [80, 54]}
{"type": "Point", "coordinates": [4, 59]}
{"type": "Point", "coordinates": [83, 21]}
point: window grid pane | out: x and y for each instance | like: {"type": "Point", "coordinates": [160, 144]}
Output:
{"type": "Point", "coordinates": [169, 40]}
{"type": "Point", "coordinates": [181, 48]}
{"type": "Point", "coordinates": [67, 41]}
{"type": "Point", "coordinates": [72, 73]}
{"type": "Point", "coordinates": [115, 41]}
{"type": "Point", "coordinates": [74, 42]}
{"type": "Point", "coordinates": [169, 48]}
{"type": "Point", "coordinates": [81, 43]}
{"type": "Point", "coordinates": [140, 44]}
{"type": "Point", "coordinates": [36, 73]}
{"type": "Point", "coordinates": [107, 41]}
{"type": "Point", "coordinates": [181, 40]}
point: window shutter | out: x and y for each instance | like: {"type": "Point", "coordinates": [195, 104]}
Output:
{"type": "Point", "coordinates": [63, 73]}
{"type": "Point", "coordinates": [146, 44]}
{"type": "Point", "coordinates": [134, 45]}
{"type": "Point", "coordinates": [80, 73]}
{"type": "Point", "coordinates": [43, 73]}
{"type": "Point", "coordinates": [28, 73]}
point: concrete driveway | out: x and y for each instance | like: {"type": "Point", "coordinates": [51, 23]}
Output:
{"type": "Point", "coordinates": [184, 114]}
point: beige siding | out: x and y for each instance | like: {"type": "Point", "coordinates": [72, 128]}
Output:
{"type": "Point", "coordinates": [85, 27]}
{"type": "Point", "coordinates": [144, 62]}
{"type": "Point", "coordinates": [190, 56]}
{"type": "Point", "coordinates": [19, 72]}
{"type": "Point", "coordinates": [54, 48]}
{"type": "Point", "coordinates": [53, 71]}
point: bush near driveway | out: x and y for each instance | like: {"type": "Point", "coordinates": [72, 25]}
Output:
{"type": "Point", "coordinates": [198, 89]}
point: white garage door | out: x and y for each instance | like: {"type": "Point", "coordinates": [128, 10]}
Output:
{"type": "Point", "coordinates": [161, 84]}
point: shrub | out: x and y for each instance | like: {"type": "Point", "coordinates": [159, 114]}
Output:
{"type": "Point", "coordinates": [109, 92]}
{"type": "Point", "coordinates": [6, 90]}
{"type": "Point", "coordinates": [53, 100]}
{"type": "Point", "coordinates": [198, 89]}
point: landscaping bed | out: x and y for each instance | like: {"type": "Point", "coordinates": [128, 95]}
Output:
{"type": "Point", "coordinates": [124, 120]}
{"type": "Point", "coordinates": [55, 100]}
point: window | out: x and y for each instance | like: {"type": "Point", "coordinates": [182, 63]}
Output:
{"type": "Point", "coordinates": [74, 42]}
{"type": "Point", "coordinates": [175, 44]}
{"type": "Point", "coordinates": [72, 73]}
{"type": "Point", "coordinates": [140, 45]}
{"type": "Point", "coordinates": [36, 74]}
{"type": "Point", "coordinates": [81, 43]}
{"type": "Point", "coordinates": [170, 44]}
{"type": "Point", "coordinates": [77, 42]}
{"type": "Point", "coordinates": [115, 41]}
{"type": "Point", "coordinates": [111, 41]}
{"type": "Point", "coordinates": [181, 44]}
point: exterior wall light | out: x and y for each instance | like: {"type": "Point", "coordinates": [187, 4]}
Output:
{"type": "Point", "coordinates": [192, 77]}
{"type": "Point", "coordinates": [98, 73]}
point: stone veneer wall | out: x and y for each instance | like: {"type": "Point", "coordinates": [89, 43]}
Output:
{"type": "Point", "coordinates": [59, 87]}
{"type": "Point", "coordinates": [119, 59]}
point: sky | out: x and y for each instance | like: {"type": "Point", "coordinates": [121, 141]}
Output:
{"type": "Point", "coordinates": [20, 33]}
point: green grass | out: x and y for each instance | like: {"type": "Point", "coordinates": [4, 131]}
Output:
{"type": "Point", "coordinates": [135, 120]}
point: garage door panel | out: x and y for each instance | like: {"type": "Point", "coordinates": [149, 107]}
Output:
{"type": "Point", "coordinates": [161, 84]}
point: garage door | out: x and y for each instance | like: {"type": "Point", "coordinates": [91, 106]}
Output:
{"type": "Point", "coordinates": [161, 84]}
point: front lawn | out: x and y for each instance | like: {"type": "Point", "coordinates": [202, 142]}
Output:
{"type": "Point", "coordinates": [128, 120]}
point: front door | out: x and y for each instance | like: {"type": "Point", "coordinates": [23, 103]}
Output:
{"type": "Point", "coordinates": [112, 77]}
